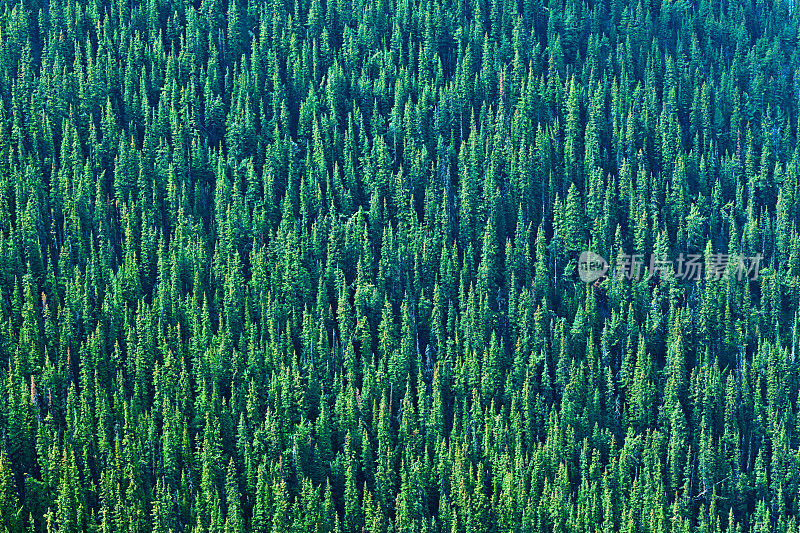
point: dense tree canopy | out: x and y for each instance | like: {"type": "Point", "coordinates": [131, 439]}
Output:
{"type": "Point", "coordinates": [310, 266]}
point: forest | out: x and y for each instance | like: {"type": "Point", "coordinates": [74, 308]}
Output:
{"type": "Point", "coordinates": [399, 266]}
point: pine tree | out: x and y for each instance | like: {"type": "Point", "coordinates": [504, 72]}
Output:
{"type": "Point", "coordinates": [10, 511]}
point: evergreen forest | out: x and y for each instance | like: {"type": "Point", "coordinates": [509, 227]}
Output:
{"type": "Point", "coordinates": [312, 266]}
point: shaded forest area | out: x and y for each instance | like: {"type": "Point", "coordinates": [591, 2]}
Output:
{"type": "Point", "coordinates": [310, 266]}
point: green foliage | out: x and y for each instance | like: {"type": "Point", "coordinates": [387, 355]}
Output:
{"type": "Point", "coordinates": [311, 266]}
